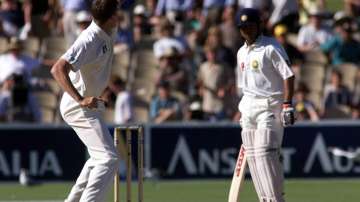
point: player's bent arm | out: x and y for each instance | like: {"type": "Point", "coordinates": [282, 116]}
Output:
{"type": "Point", "coordinates": [289, 88]}
{"type": "Point", "coordinates": [60, 71]}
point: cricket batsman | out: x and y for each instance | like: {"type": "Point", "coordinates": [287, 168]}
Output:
{"type": "Point", "coordinates": [267, 83]}
{"type": "Point", "coordinates": [83, 73]}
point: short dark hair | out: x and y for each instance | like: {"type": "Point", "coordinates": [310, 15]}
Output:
{"type": "Point", "coordinates": [164, 84]}
{"type": "Point", "coordinates": [102, 10]}
{"type": "Point", "coordinates": [116, 80]}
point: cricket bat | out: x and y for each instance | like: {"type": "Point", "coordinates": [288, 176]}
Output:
{"type": "Point", "coordinates": [238, 177]}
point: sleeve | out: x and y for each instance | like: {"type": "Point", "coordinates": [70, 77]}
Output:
{"type": "Point", "coordinates": [301, 37]}
{"type": "Point", "coordinates": [327, 46]}
{"type": "Point", "coordinates": [153, 109]}
{"type": "Point", "coordinates": [157, 49]}
{"type": "Point", "coordinates": [281, 63]}
{"type": "Point", "coordinates": [160, 7]}
{"type": "Point", "coordinates": [82, 52]}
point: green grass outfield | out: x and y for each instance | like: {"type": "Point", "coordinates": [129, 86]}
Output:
{"type": "Point", "coordinates": [197, 191]}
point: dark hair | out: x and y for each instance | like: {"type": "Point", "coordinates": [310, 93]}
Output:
{"type": "Point", "coordinates": [337, 73]}
{"type": "Point", "coordinates": [116, 80]}
{"type": "Point", "coordinates": [164, 84]}
{"type": "Point", "coordinates": [102, 10]}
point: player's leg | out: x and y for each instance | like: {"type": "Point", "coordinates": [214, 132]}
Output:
{"type": "Point", "coordinates": [104, 158]}
{"type": "Point", "coordinates": [80, 184]}
{"type": "Point", "coordinates": [268, 140]}
{"type": "Point", "coordinates": [248, 138]}
{"type": "Point", "coordinates": [246, 107]}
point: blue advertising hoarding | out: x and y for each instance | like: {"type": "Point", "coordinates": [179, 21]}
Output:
{"type": "Point", "coordinates": [48, 153]}
{"type": "Point", "coordinates": [180, 151]}
{"type": "Point", "coordinates": [209, 151]}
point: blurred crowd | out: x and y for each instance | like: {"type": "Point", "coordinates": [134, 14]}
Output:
{"type": "Point", "coordinates": [181, 57]}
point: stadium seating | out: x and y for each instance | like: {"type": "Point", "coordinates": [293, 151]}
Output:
{"type": "Point", "coordinates": [49, 104]}
{"type": "Point", "coordinates": [52, 47]}
{"type": "Point", "coordinates": [31, 46]}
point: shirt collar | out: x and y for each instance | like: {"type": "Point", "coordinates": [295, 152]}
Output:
{"type": "Point", "coordinates": [100, 31]}
{"type": "Point", "coordinates": [257, 42]}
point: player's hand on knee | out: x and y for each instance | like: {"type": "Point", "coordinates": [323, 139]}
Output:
{"type": "Point", "coordinates": [288, 115]}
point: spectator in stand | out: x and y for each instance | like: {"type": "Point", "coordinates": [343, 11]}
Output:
{"type": "Point", "coordinates": [39, 17]}
{"type": "Point", "coordinates": [12, 17]}
{"type": "Point", "coordinates": [17, 103]}
{"type": "Point", "coordinates": [70, 9]}
{"type": "Point", "coordinates": [164, 107]}
{"type": "Point", "coordinates": [150, 6]}
{"type": "Point", "coordinates": [172, 71]}
{"type": "Point", "coordinates": [305, 109]}
{"type": "Point", "coordinates": [284, 12]}
{"type": "Point", "coordinates": [223, 54]}
{"type": "Point", "coordinates": [175, 11]}
{"type": "Point", "coordinates": [141, 24]}
{"type": "Point", "coordinates": [167, 39]}
{"type": "Point", "coordinates": [230, 34]}
{"type": "Point", "coordinates": [305, 6]}
{"type": "Point", "coordinates": [124, 38]}
{"type": "Point", "coordinates": [335, 93]}
{"type": "Point", "coordinates": [212, 10]}
{"type": "Point", "coordinates": [14, 62]}
{"type": "Point", "coordinates": [296, 57]}
{"type": "Point", "coordinates": [313, 34]}
{"type": "Point", "coordinates": [214, 79]}
{"type": "Point", "coordinates": [193, 109]}
{"type": "Point", "coordinates": [83, 20]}
{"type": "Point", "coordinates": [355, 112]}
{"type": "Point", "coordinates": [261, 5]}
{"type": "Point", "coordinates": [356, 91]}
{"type": "Point", "coordinates": [123, 112]}
{"type": "Point", "coordinates": [343, 48]}
{"type": "Point", "coordinates": [352, 7]}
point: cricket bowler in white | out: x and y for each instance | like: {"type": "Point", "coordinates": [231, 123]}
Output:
{"type": "Point", "coordinates": [267, 83]}
{"type": "Point", "coordinates": [83, 73]}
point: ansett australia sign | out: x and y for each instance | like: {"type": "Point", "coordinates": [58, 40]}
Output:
{"type": "Point", "coordinates": [47, 153]}
{"type": "Point", "coordinates": [210, 152]}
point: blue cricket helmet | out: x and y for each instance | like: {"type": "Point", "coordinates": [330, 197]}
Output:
{"type": "Point", "coordinates": [247, 16]}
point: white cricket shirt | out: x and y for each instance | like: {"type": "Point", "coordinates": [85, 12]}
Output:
{"type": "Point", "coordinates": [91, 57]}
{"type": "Point", "coordinates": [262, 68]}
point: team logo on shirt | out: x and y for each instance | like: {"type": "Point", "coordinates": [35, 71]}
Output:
{"type": "Point", "coordinates": [242, 66]}
{"type": "Point", "coordinates": [255, 64]}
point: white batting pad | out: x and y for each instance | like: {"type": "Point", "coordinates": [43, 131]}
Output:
{"type": "Point", "coordinates": [268, 165]}
{"type": "Point", "coordinates": [248, 138]}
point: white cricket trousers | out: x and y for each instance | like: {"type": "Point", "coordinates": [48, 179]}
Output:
{"type": "Point", "coordinates": [262, 135]}
{"type": "Point", "coordinates": [99, 170]}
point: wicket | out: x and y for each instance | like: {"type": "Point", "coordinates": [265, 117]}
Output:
{"type": "Point", "coordinates": [129, 130]}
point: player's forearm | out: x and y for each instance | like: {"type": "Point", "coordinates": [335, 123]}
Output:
{"type": "Point", "coordinates": [289, 88]}
{"type": "Point", "coordinates": [60, 72]}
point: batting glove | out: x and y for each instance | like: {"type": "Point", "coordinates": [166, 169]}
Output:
{"type": "Point", "coordinates": [288, 114]}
